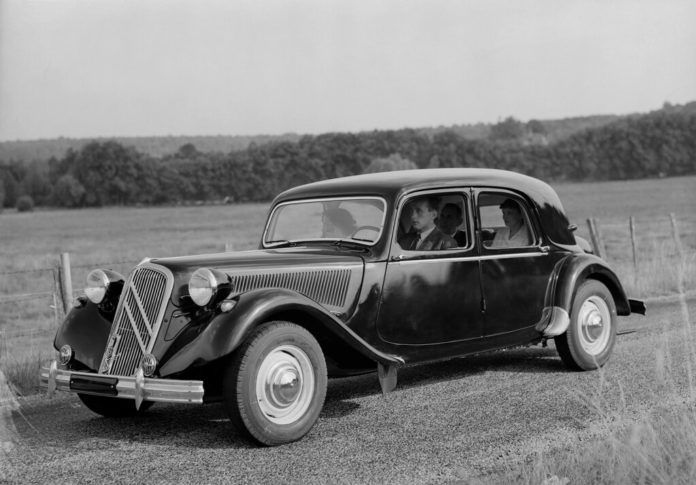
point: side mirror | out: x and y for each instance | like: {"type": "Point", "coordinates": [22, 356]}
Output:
{"type": "Point", "coordinates": [572, 227]}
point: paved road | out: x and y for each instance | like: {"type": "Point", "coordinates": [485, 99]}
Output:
{"type": "Point", "coordinates": [445, 422]}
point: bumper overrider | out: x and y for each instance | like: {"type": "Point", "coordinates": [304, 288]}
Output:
{"type": "Point", "coordinates": [136, 387]}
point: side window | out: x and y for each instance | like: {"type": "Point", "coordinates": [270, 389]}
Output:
{"type": "Point", "coordinates": [505, 221]}
{"type": "Point", "coordinates": [434, 222]}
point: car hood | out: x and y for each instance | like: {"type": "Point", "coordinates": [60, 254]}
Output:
{"type": "Point", "coordinates": [326, 276]}
{"type": "Point", "coordinates": [258, 260]}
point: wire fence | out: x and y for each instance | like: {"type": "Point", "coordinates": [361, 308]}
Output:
{"type": "Point", "coordinates": [646, 244]}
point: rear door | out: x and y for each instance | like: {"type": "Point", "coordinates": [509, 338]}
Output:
{"type": "Point", "coordinates": [513, 278]}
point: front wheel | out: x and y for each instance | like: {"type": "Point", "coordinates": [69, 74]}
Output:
{"type": "Point", "coordinates": [112, 407]}
{"type": "Point", "coordinates": [589, 340]}
{"type": "Point", "coordinates": [275, 386]}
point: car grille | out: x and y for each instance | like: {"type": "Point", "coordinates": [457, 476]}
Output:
{"type": "Point", "coordinates": [137, 320]}
{"type": "Point", "coordinates": [326, 287]}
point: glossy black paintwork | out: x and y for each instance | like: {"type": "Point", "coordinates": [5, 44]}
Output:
{"type": "Point", "coordinates": [407, 308]}
{"type": "Point", "coordinates": [86, 330]}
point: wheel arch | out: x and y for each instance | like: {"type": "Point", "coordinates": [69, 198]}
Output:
{"type": "Point", "coordinates": [227, 331]}
{"type": "Point", "coordinates": [581, 267]}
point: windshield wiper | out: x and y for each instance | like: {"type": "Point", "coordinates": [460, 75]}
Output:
{"type": "Point", "coordinates": [350, 243]}
{"type": "Point", "coordinates": [281, 243]}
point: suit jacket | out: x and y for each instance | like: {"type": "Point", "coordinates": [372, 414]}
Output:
{"type": "Point", "coordinates": [460, 238]}
{"type": "Point", "coordinates": [435, 241]}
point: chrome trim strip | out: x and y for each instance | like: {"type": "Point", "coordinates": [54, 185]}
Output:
{"type": "Point", "coordinates": [141, 307]}
{"type": "Point", "coordinates": [419, 259]}
{"type": "Point", "coordinates": [149, 389]}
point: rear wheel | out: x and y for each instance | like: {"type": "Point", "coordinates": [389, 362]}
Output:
{"type": "Point", "coordinates": [112, 407]}
{"type": "Point", "coordinates": [275, 386]}
{"type": "Point", "coordinates": [589, 340]}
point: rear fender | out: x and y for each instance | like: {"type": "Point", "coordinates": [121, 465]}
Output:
{"type": "Point", "coordinates": [567, 275]}
{"type": "Point", "coordinates": [227, 331]}
{"type": "Point", "coordinates": [580, 267]}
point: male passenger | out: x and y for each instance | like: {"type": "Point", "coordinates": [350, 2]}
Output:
{"type": "Point", "coordinates": [448, 222]}
{"type": "Point", "coordinates": [426, 236]}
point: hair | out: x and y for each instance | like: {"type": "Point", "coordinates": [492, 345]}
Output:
{"type": "Point", "coordinates": [510, 204]}
{"type": "Point", "coordinates": [452, 205]}
{"type": "Point", "coordinates": [433, 203]}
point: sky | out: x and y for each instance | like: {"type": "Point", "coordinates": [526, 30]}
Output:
{"type": "Point", "coordinates": [107, 68]}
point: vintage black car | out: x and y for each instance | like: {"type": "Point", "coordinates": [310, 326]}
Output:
{"type": "Point", "coordinates": [356, 274]}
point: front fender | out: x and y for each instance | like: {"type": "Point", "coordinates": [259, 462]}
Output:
{"type": "Point", "coordinates": [86, 330]}
{"type": "Point", "coordinates": [227, 331]}
{"type": "Point", "coordinates": [579, 267]}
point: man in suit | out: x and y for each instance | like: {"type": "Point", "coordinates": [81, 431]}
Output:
{"type": "Point", "coordinates": [425, 236]}
{"type": "Point", "coordinates": [450, 219]}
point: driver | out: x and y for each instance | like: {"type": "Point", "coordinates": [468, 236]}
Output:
{"type": "Point", "coordinates": [426, 235]}
{"type": "Point", "coordinates": [338, 222]}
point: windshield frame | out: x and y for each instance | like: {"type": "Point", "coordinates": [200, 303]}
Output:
{"type": "Point", "coordinates": [332, 240]}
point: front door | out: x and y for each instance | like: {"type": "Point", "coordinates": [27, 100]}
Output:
{"type": "Point", "coordinates": [431, 292]}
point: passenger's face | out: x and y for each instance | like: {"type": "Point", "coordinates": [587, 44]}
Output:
{"type": "Point", "coordinates": [511, 217]}
{"type": "Point", "coordinates": [422, 217]}
{"type": "Point", "coordinates": [449, 220]}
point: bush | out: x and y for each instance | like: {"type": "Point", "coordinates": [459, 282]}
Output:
{"type": "Point", "coordinates": [25, 204]}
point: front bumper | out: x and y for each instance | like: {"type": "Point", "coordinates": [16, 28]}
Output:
{"type": "Point", "coordinates": [137, 387]}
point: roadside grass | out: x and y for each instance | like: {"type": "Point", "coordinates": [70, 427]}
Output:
{"type": "Point", "coordinates": [656, 448]}
{"type": "Point", "coordinates": [22, 373]}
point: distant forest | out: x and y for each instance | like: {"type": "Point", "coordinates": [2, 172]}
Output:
{"type": "Point", "coordinates": [149, 171]}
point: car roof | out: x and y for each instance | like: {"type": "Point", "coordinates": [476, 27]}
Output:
{"type": "Point", "coordinates": [391, 185]}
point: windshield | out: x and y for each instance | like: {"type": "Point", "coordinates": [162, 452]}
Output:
{"type": "Point", "coordinates": [354, 219]}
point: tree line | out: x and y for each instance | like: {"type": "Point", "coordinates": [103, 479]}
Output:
{"type": "Point", "coordinates": [662, 143]}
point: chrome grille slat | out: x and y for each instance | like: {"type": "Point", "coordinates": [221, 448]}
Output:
{"type": "Point", "coordinates": [138, 318]}
{"type": "Point", "coordinates": [327, 287]}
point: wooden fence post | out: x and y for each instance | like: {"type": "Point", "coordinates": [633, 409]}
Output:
{"type": "Point", "coordinates": [680, 252]}
{"type": "Point", "coordinates": [632, 226]}
{"type": "Point", "coordinates": [596, 237]}
{"type": "Point", "coordinates": [66, 282]}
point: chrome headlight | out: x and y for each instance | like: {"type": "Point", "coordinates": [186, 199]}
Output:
{"type": "Point", "coordinates": [66, 354]}
{"type": "Point", "coordinates": [206, 284]}
{"type": "Point", "coordinates": [100, 282]}
{"type": "Point", "coordinates": [148, 363]}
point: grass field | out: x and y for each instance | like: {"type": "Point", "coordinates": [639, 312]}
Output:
{"type": "Point", "coordinates": [118, 238]}
{"type": "Point", "coordinates": [652, 451]}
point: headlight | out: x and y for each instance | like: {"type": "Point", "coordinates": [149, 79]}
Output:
{"type": "Point", "coordinates": [148, 363]}
{"type": "Point", "coordinates": [100, 282]}
{"type": "Point", "coordinates": [205, 284]}
{"type": "Point", "coordinates": [66, 354]}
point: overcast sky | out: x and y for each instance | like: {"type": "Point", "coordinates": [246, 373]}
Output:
{"type": "Point", "coordinates": [166, 67]}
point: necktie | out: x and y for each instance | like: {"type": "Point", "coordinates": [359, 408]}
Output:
{"type": "Point", "coordinates": [417, 242]}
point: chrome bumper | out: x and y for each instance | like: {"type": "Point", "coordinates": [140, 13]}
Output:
{"type": "Point", "coordinates": [137, 387]}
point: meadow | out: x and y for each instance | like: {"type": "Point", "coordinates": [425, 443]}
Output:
{"type": "Point", "coordinates": [119, 237]}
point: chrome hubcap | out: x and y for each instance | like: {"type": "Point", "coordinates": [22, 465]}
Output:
{"type": "Point", "coordinates": [595, 325]}
{"type": "Point", "coordinates": [285, 384]}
